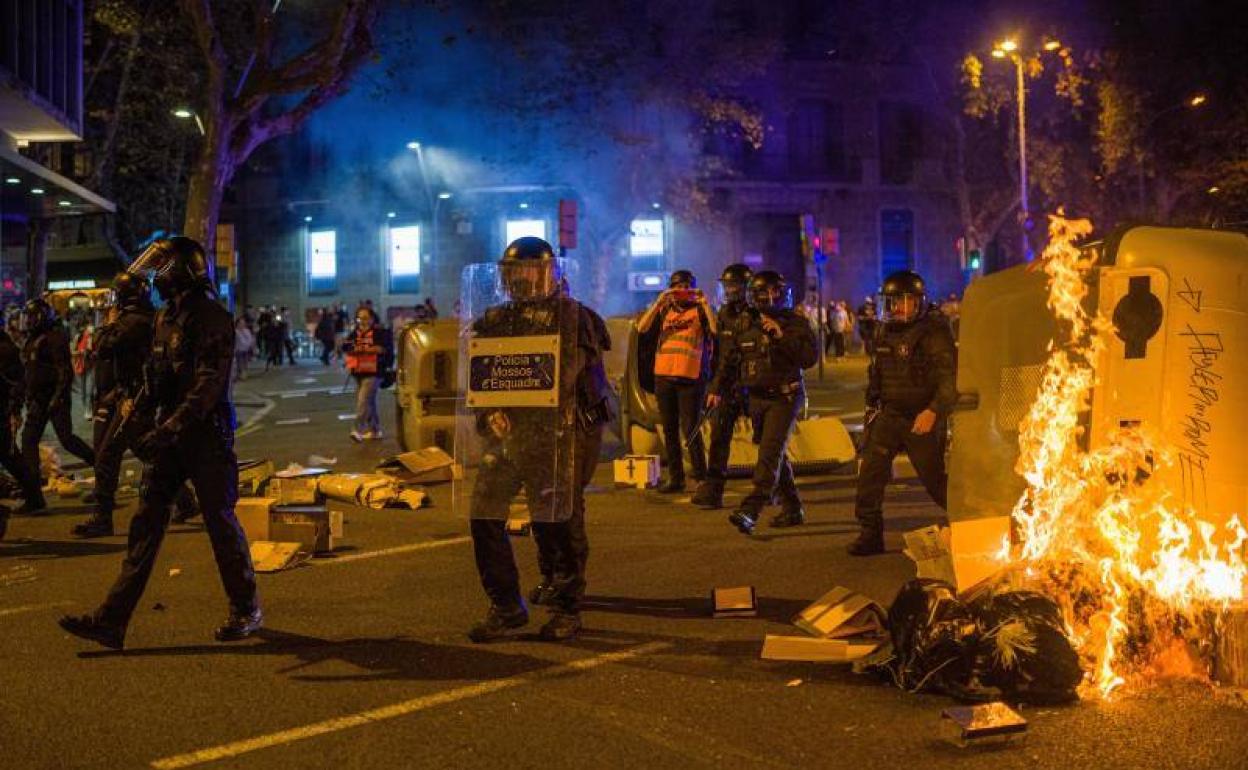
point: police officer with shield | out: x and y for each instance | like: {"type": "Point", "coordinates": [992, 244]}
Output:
{"type": "Point", "coordinates": [734, 316]}
{"type": "Point", "coordinates": [186, 386]}
{"type": "Point", "coordinates": [767, 358]}
{"type": "Point", "coordinates": [537, 398]}
{"type": "Point", "coordinates": [910, 391]}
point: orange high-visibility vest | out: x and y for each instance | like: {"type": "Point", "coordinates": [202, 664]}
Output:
{"type": "Point", "coordinates": [681, 340]}
{"type": "Point", "coordinates": [362, 361]}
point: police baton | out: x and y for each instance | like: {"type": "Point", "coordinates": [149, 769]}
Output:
{"type": "Point", "coordinates": [697, 428]}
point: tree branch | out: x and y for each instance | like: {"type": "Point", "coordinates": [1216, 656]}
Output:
{"type": "Point", "coordinates": [209, 39]}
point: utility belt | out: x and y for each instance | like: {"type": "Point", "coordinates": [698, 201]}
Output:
{"type": "Point", "coordinates": [776, 391]}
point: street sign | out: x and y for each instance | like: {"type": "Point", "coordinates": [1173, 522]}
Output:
{"type": "Point", "coordinates": [567, 224]}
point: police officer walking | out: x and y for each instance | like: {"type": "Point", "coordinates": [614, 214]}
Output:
{"type": "Point", "coordinates": [768, 357]}
{"type": "Point", "coordinates": [123, 345]}
{"type": "Point", "coordinates": [548, 453]}
{"type": "Point", "coordinates": [733, 316]}
{"type": "Point", "coordinates": [11, 387]}
{"type": "Point", "coordinates": [49, 385]}
{"type": "Point", "coordinates": [910, 392]}
{"type": "Point", "coordinates": [186, 384]}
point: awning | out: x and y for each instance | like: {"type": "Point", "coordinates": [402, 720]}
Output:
{"type": "Point", "coordinates": [38, 192]}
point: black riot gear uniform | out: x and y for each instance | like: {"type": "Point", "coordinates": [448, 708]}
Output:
{"type": "Point", "coordinates": [122, 348]}
{"type": "Point", "coordinates": [12, 386]}
{"type": "Point", "coordinates": [912, 373]}
{"type": "Point", "coordinates": [186, 386]}
{"type": "Point", "coordinates": [550, 462]}
{"type": "Point", "coordinates": [734, 317]}
{"type": "Point", "coordinates": [767, 358]}
{"type": "Point", "coordinates": [49, 382]}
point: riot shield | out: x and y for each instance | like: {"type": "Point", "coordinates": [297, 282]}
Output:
{"type": "Point", "coordinates": [516, 432]}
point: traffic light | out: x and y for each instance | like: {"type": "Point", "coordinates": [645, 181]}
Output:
{"type": "Point", "coordinates": [973, 260]}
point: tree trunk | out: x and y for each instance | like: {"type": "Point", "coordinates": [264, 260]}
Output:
{"type": "Point", "coordinates": [101, 176]}
{"type": "Point", "coordinates": [204, 194]}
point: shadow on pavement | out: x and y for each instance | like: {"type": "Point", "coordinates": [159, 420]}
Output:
{"type": "Point", "coordinates": [380, 659]}
{"type": "Point", "coordinates": [55, 549]}
{"type": "Point", "coordinates": [688, 608]}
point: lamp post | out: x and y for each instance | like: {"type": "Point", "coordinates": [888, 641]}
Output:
{"type": "Point", "coordinates": [1008, 49]}
{"type": "Point", "coordinates": [186, 113]}
{"type": "Point", "coordinates": [437, 205]}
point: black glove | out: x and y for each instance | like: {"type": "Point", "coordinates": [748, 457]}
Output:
{"type": "Point", "coordinates": [151, 444]}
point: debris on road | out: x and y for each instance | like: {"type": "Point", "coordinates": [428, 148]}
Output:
{"type": "Point", "coordinates": [811, 650]}
{"type": "Point", "coordinates": [175, 571]}
{"type": "Point", "coordinates": [986, 723]}
{"type": "Point", "coordinates": [371, 490]}
{"type": "Point", "coordinates": [322, 460]}
{"type": "Point", "coordinates": [737, 602]}
{"type": "Point", "coordinates": [638, 471]}
{"type": "Point", "coordinates": [840, 613]}
{"type": "Point", "coordinates": [268, 556]}
{"type": "Point", "coordinates": [422, 466]}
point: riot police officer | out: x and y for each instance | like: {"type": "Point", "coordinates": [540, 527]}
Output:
{"type": "Point", "coordinates": [733, 317]}
{"type": "Point", "coordinates": [767, 358]}
{"type": "Point", "coordinates": [11, 387]}
{"type": "Point", "coordinates": [122, 347]}
{"type": "Point", "coordinates": [549, 454]}
{"type": "Point", "coordinates": [910, 392]}
{"type": "Point", "coordinates": [49, 384]}
{"type": "Point", "coordinates": [186, 384]}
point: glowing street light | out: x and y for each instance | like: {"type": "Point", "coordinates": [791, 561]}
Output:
{"type": "Point", "coordinates": [1009, 46]}
{"type": "Point", "coordinates": [64, 202]}
{"type": "Point", "coordinates": [1214, 190]}
{"type": "Point", "coordinates": [186, 113]}
{"type": "Point", "coordinates": [413, 145]}
{"type": "Point", "coordinates": [524, 205]}
{"type": "Point", "coordinates": [997, 53]}
{"type": "Point", "coordinates": [12, 180]}
{"type": "Point", "coordinates": [656, 206]}
{"type": "Point", "coordinates": [1052, 45]}
{"type": "Point", "coordinates": [1197, 100]}
{"type": "Point", "coordinates": [36, 191]}
{"type": "Point", "coordinates": [391, 215]}
{"type": "Point", "coordinates": [444, 195]}
{"type": "Point", "coordinates": [308, 218]}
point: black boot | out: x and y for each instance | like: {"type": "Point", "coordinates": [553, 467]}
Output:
{"type": "Point", "coordinates": [497, 622]}
{"type": "Point", "coordinates": [744, 520]}
{"type": "Point", "coordinates": [542, 593]}
{"type": "Point", "coordinates": [99, 525]}
{"type": "Point", "coordinates": [709, 495]}
{"type": "Point", "coordinates": [672, 487]}
{"type": "Point", "coordinates": [33, 506]}
{"type": "Point", "coordinates": [90, 628]}
{"type": "Point", "coordinates": [791, 518]}
{"type": "Point", "coordinates": [240, 625]}
{"type": "Point", "coordinates": [869, 543]}
{"type": "Point", "coordinates": [562, 626]}
{"type": "Point", "coordinates": [4, 521]}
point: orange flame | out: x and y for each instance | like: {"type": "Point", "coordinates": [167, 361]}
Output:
{"type": "Point", "coordinates": [1105, 506]}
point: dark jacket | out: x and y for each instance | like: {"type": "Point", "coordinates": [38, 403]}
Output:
{"type": "Point", "coordinates": [914, 367]}
{"type": "Point", "coordinates": [122, 349]}
{"type": "Point", "coordinates": [49, 368]}
{"type": "Point", "coordinates": [12, 377]}
{"type": "Point", "coordinates": [187, 377]}
{"type": "Point", "coordinates": [758, 360]}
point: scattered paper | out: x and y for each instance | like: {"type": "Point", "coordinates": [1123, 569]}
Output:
{"type": "Point", "coordinates": [322, 460]}
{"type": "Point", "coordinates": [175, 571]}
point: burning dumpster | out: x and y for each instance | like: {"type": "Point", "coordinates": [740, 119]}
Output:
{"type": "Point", "coordinates": [1102, 391]}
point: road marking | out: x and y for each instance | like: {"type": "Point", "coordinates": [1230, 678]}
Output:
{"type": "Point", "coordinates": [403, 708]}
{"type": "Point", "coordinates": [346, 417]}
{"type": "Point", "coordinates": [30, 608]}
{"type": "Point", "coordinates": [293, 421]}
{"type": "Point", "coordinates": [253, 422]}
{"type": "Point", "coordinates": [296, 394]}
{"type": "Point", "coordinates": [410, 547]}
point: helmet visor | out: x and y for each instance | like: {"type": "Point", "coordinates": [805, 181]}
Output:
{"type": "Point", "coordinates": [155, 261]}
{"type": "Point", "coordinates": [901, 308]}
{"type": "Point", "coordinates": [530, 279]}
{"type": "Point", "coordinates": [731, 292]}
{"type": "Point", "coordinates": [771, 297]}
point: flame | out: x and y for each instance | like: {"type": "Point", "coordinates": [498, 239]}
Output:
{"type": "Point", "coordinates": [1097, 529]}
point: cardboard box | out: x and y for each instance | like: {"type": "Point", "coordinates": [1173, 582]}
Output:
{"type": "Point", "coordinates": [371, 490]}
{"type": "Point", "coordinates": [805, 648]}
{"type": "Point", "coordinates": [739, 602]}
{"type": "Point", "coordinates": [253, 516]}
{"type": "Point", "coordinates": [840, 613]}
{"type": "Point", "coordinates": [268, 556]}
{"type": "Point", "coordinates": [423, 466]}
{"type": "Point", "coordinates": [252, 474]}
{"type": "Point", "coordinates": [318, 532]}
{"type": "Point", "coordinates": [639, 471]}
{"type": "Point", "coordinates": [963, 554]}
{"type": "Point", "coordinates": [296, 491]}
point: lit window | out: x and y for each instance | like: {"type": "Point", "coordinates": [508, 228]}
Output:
{"type": "Point", "coordinates": [646, 238]}
{"type": "Point", "coordinates": [521, 228]}
{"type": "Point", "coordinates": [322, 262]}
{"type": "Point", "coordinates": [404, 259]}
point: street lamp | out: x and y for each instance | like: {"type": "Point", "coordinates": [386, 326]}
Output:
{"type": "Point", "coordinates": [437, 205]}
{"type": "Point", "coordinates": [1009, 49]}
{"type": "Point", "coordinates": [1193, 102]}
{"type": "Point", "coordinates": [185, 113]}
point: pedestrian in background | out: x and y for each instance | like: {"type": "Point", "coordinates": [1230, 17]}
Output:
{"type": "Point", "coordinates": [370, 352]}
{"type": "Point", "coordinates": [866, 325]}
{"type": "Point", "coordinates": [841, 328]}
{"type": "Point", "coordinates": [682, 367]}
{"type": "Point", "coordinates": [286, 343]}
{"type": "Point", "coordinates": [83, 358]}
{"type": "Point", "coordinates": [325, 334]}
{"type": "Point", "coordinates": [244, 348]}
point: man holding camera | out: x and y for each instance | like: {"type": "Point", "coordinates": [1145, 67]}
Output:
{"type": "Point", "coordinates": [682, 366]}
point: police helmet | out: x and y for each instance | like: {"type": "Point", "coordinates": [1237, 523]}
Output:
{"type": "Point", "coordinates": [177, 265]}
{"type": "Point", "coordinates": [899, 286]}
{"type": "Point", "coordinates": [682, 276]}
{"type": "Point", "coordinates": [768, 290]}
{"type": "Point", "coordinates": [37, 315]}
{"type": "Point", "coordinates": [733, 282]}
{"type": "Point", "coordinates": [529, 269]}
{"type": "Point", "coordinates": [131, 289]}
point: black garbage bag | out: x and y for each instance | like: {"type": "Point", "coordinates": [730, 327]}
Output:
{"type": "Point", "coordinates": [1010, 645]}
{"type": "Point", "coordinates": [934, 638]}
{"type": "Point", "coordinates": [1023, 649]}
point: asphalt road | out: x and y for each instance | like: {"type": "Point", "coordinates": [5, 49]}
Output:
{"type": "Point", "coordinates": [364, 662]}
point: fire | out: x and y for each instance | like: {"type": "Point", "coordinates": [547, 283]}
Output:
{"type": "Point", "coordinates": [1097, 530]}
